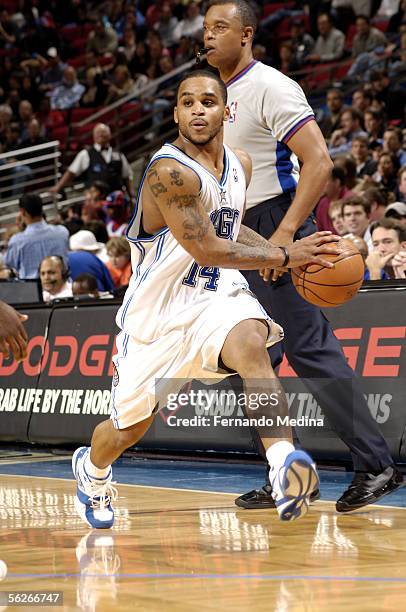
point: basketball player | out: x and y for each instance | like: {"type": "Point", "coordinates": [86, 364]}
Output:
{"type": "Point", "coordinates": [13, 336]}
{"type": "Point", "coordinates": [188, 312]}
{"type": "Point", "coordinates": [271, 119]}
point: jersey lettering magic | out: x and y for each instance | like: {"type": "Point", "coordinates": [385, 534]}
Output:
{"type": "Point", "coordinates": [266, 109]}
{"type": "Point", "coordinates": [166, 282]}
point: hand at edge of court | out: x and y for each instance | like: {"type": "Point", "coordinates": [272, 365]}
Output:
{"type": "Point", "coordinates": [375, 264]}
{"type": "Point", "coordinates": [399, 264]}
{"type": "Point", "coordinates": [13, 336]}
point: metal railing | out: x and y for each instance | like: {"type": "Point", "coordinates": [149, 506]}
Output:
{"type": "Point", "coordinates": [34, 169]}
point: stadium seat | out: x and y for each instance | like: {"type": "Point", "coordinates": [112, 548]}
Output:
{"type": "Point", "coordinates": [77, 62]}
{"type": "Point", "coordinates": [78, 114]}
{"type": "Point", "coordinates": [71, 32]}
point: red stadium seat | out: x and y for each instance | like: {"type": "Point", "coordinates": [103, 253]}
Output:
{"type": "Point", "coordinates": [77, 62]}
{"type": "Point", "coordinates": [381, 25]}
{"type": "Point", "coordinates": [71, 32]}
{"type": "Point", "coordinates": [130, 112]}
{"type": "Point", "coordinates": [352, 30]}
{"type": "Point", "coordinates": [341, 71]}
{"type": "Point", "coordinates": [79, 44]}
{"type": "Point", "coordinates": [78, 114]}
{"type": "Point", "coordinates": [83, 134]}
{"type": "Point", "coordinates": [60, 133]}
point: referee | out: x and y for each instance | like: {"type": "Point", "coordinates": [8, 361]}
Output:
{"type": "Point", "coordinates": [271, 119]}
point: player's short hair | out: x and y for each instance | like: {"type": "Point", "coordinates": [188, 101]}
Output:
{"type": "Point", "coordinates": [245, 11]}
{"type": "Point", "coordinates": [389, 223]}
{"type": "Point", "coordinates": [32, 204]}
{"type": "Point", "coordinates": [208, 74]}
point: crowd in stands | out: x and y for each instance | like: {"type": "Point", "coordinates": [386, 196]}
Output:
{"type": "Point", "coordinates": [56, 56]}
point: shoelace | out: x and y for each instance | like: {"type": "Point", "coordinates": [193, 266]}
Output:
{"type": "Point", "coordinates": [101, 495]}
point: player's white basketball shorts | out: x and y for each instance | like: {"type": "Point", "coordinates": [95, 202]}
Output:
{"type": "Point", "coordinates": [185, 352]}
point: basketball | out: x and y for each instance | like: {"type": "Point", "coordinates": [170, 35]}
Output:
{"type": "Point", "coordinates": [328, 287]}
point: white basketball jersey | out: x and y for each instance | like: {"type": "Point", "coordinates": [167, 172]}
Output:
{"type": "Point", "coordinates": [168, 288]}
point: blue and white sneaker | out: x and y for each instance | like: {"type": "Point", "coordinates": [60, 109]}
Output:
{"type": "Point", "coordinates": [93, 495]}
{"type": "Point", "coordinates": [292, 484]}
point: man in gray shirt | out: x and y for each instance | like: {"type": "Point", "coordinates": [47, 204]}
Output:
{"type": "Point", "coordinates": [330, 42]}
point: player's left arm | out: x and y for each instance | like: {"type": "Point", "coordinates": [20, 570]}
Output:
{"type": "Point", "coordinates": [309, 145]}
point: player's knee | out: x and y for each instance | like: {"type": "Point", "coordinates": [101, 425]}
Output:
{"type": "Point", "coordinates": [252, 353]}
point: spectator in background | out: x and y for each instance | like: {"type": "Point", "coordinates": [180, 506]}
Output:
{"type": "Point", "coordinates": [103, 39]}
{"type": "Point", "coordinates": [350, 126]}
{"type": "Point", "coordinates": [33, 136]}
{"type": "Point", "coordinates": [329, 121]}
{"type": "Point", "coordinates": [119, 262]}
{"type": "Point", "coordinates": [83, 259]}
{"type": "Point", "coordinates": [192, 24]}
{"type": "Point", "coordinates": [401, 187]}
{"type": "Point", "coordinates": [122, 84]}
{"type": "Point", "coordinates": [397, 211]}
{"type": "Point", "coordinates": [85, 285]}
{"type": "Point", "coordinates": [96, 90]}
{"type": "Point", "coordinates": [330, 43]}
{"type": "Point", "coordinates": [287, 62]}
{"type": "Point", "coordinates": [117, 211]}
{"type": "Point", "coordinates": [356, 216]}
{"type": "Point", "coordinates": [129, 45]}
{"type": "Point", "coordinates": [302, 42]}
{"type": "Point", "coordinates": [99, 162]}
{"type": "Point", "coordinates": [28, 248]}
{"type": "Point", "coordinates": [373, 124]}
{"type": "Point", "coordinates": [392, 143]}
{"type": "Point", "coordinates": [25, 114]}
{"type": "Point", "coordinates": [54, 276]}
{"type": "Point", "coordinates": [166, 25]}
{"type": "Point", "coordinates": [335, 190]}
{"type": "Point", "coordinates": [361, 100]}
{"type": "Point", "coordinates": [391, 95]}
{"type": "Point", "coordinates": [388, 256]}
{"type": "Point", "coordinates": [73, 221]}
{"type": "Point", "coordinates": [6, 114]}
{"type": "Point", "coordinates": [367, 38]}
{"type": "Point", "coordinates": [386, 172]}
{"type": "Point", "coordinates": [362, 156]}
{"type": "Point", "coordinates": [377, 199]}
{"type": "Point", "coordinates": [335, 212]}
{"type": "Point", "coordinates": [68, 93]}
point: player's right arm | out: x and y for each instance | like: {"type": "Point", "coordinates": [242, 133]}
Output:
{"type": "Point", "coordinates": [175, 193]}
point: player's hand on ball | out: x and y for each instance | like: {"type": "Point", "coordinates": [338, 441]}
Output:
{"type": "Point", "coordinates": [312, 248]}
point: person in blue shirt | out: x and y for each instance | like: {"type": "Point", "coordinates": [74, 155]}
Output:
{"type": "Point", "coordinates": [28, 248]}
{"type": "Point", "coordinates": [83, 259]}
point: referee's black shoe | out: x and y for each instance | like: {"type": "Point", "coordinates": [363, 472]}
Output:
{"type": "Point", "coordinates": [259, 499]}
{"type": "Point", "coordinates": [368, 488]}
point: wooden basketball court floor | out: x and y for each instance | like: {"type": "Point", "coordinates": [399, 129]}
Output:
{"type": "Point", "coordinates": [179, 549]}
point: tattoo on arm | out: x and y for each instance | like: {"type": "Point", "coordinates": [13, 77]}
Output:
{"type": "Point", "coordinates": [155, 183]}
{"type": "Point", "coordinates": [237, 251]}
{"type": "Point", "coordinates": [248, 237]}
{"type": "Point", "coordinates": [175, 178]}
{"type": "Point", "coordinates": [195, 225]}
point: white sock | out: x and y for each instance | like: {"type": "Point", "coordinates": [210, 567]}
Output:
{"type": "Point", "coordinates": [277, 453]}
{"type": "Point", "coordinates": [94, 471]}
